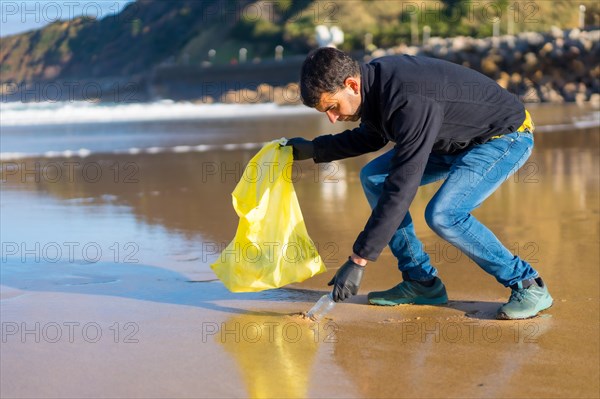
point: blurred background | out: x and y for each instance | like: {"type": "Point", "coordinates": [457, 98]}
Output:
{"type": "Point", "coordinates": [147, 50]}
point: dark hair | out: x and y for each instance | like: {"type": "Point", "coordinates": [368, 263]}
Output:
{"type": "Point", "coordinates": [324, 71]}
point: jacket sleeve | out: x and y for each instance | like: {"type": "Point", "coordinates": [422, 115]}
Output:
{"type": "Point", "coordinates": [349, 143]}
{"type": "Point", "coordinates": [414, 125]}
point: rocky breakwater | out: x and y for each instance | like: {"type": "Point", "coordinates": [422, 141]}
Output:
{"type": "Point", "coordinates": [557, 66]}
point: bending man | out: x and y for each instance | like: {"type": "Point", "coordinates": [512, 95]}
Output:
{"type": "Point", "coordinates": [446, 122]}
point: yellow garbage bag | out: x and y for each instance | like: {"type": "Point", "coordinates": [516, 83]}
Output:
{"type": "Point", "coordinates": [271, 247]}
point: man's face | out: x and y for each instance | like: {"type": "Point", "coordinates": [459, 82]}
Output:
{"type": "Point", "coordinates": [343, 105]}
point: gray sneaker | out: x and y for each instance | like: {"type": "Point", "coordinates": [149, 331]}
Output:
{"type": "Point", "coordinates": [411, 292]}
{"type": "Point", "coordinates": [528, 298]}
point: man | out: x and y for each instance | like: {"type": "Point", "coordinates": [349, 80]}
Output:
{"type": "Point", "coordinates": [447, 122]}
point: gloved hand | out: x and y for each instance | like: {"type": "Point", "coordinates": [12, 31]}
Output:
{"type": "Point", "coordinates": [301, 148]}
{"type": "Point", "coordinates": [346, 281]}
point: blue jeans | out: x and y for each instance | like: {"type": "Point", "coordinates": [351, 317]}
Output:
{"type": "Point", "coordinates": [471, 176]}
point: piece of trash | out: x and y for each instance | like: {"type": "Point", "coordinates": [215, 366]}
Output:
{"type": "Point", "coordinates": [321, 308]}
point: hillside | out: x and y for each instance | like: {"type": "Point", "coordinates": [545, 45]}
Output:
{"type": "Point", "coordinates": [148, 33]}
{"type": "Point", "coordinates": [142, 35]}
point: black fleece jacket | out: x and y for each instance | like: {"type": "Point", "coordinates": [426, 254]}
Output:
{"type": "Point", "coordinates": [422, 105]}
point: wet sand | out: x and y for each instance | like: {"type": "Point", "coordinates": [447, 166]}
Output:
{"type": "Point", "coordinates": [148, 319]}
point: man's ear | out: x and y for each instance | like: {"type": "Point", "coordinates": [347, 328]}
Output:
{"type": "Point", "coordinates": [353, 83]}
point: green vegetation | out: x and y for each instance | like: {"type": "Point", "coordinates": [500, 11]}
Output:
{"type": "Point", "coordinates": [148, 33]}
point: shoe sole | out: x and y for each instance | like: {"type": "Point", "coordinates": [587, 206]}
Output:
{"type": "Point", "coordinates": [415, 301]}
{"type": "Point", "coordinates": [504, 316]}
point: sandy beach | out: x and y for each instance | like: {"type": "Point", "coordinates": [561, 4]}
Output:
{"type": "Point", "coordinates": [106, 289]}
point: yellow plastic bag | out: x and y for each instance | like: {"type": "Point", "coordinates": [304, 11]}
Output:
{"type": "Point", "coordinates": [271, 247]}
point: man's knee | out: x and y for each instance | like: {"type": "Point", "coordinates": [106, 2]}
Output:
{"type": "Point", "coordinates": [441, 218]}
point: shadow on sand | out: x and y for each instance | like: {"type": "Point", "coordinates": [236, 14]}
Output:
{"type": "Point", "coordinates": [156, 284]}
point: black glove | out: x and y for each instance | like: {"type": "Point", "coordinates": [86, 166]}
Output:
{"type": "Point", "coordinates": [301, 148]}
{"type": "Point", "coordinates": [346, 281]}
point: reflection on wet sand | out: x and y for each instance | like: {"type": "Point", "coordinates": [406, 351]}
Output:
{"type": "Point", "coordinates": [428, 356]}
{"type": "Point", "coordinates": [190, 193]}
{"type": "Point", "coordinates": [275, 355]}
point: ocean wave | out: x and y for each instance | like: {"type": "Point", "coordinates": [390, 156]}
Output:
{"type": "Point", "coordinates": [35, 114]}
{"type": "Point", "coordinates": [589, 121]}
{"type": "Point", "coordinates": [84, 152]}
{"type": "Point", "coordinates": [16, 114]}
